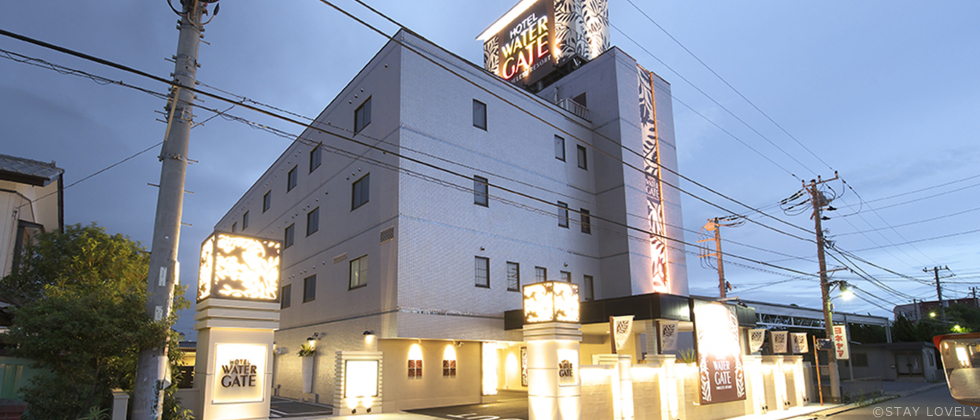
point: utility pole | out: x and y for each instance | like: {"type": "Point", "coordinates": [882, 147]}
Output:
{"type": "Point", "coordinates": [153, 366]}
{"type": "Point", "coordinates": [939, 291]}
{"type": "Point", "coordinates": [714, 225]}
{"type": "Point", "coordinates": [819, 202]}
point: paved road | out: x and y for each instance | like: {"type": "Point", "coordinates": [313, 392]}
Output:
{"type": "Point", "coordinates": [933, 404]}
{"type": "Point", "coordinates": [511, 409]}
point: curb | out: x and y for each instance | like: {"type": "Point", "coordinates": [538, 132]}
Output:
{"type": "Point", "coordinates": [848, 407]}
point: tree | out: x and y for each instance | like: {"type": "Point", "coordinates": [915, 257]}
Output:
{"type": "Point", "coordinates": [80, 298]}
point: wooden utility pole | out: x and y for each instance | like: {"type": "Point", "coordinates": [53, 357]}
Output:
{"type": "Point", "coordinates": [819, 202]}
{"type": "Point", "coordinates": [714, 225]}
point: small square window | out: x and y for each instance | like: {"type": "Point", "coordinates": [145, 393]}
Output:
{"type": "Point", "coordinates": [360, 192]}
{"type": "Point", "coordinates": [513, 276]}
{"type": "Point", "coordinates": [358, 272]}
{"type": "Point", "coordinates": [234, 227]}
{"type": "Point", "coordinates": [560, 148]}
{"type": "Point", "coordinates": [481, 194]}
{"type": "Point", "coordinates": [566, 276]}
{"type": "Point", "coordinates": [315, 158]}
{"type": "Point", "coordinates": [482, 272]}
{"type": "Point", "coordinates": [588, 292]}
{"type": "Point", "coordinates": [586, 222]}
{"type": "Point", "coordinates": [245, 221]}
{"type": "Point", "coordinates": [286, 297]}
{"type": "Point", "coordinates": [290, 234]}
{"type": "Point", "coordinates": [309, 289]}
{"type": "Point", "coordinates": [313, 221]}
{"type": "Point", "coordinates": [540, 274]}
{"type": "Point", "coordinates": [267, 201]}
{"type": "Point", "coordinates": [362, 115]}
{"type": "Point", "coordinates": [583, 161]}
{"type": "Point", "coordinates": [562, 214]}
{"type": "Point", "coordinates": [479, 114]}
{"type": "Point", "coordinates": [291, 178]}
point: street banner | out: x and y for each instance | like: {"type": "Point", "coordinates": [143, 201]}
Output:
{"type": "Point", "coordinates": [841, 346]}
{"type": "Point", "coordinates": [799, 343]}
{"type": "Point", "coordinates": [779, 339]}
{"type": "Point", "coordinates": [667, 335]}
{"type": "Point", "coordinates": [620, 327]}
{"type": "Point", "coordinates": [756, 338]}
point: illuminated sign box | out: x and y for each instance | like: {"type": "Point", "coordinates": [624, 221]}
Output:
{"type": "Point", "coordinates": [722, 377]}
{"type": "Point", "coordinates": [537, 37]}
{"type": "Point", "coordinates": [239, 373]}
{"type": "Point", "coordinates": [239, 267]}
{"type": "Point", "coordinates": [361, 379]}
{"type": "Point", "coordinates": [551, 301]}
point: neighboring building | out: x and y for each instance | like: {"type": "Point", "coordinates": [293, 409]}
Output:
{"type": "Point", "coordinates": [392, 250]}
{"type": "Point", "coordinates": [931, 308]}
{"type": "Point", "coordinates": [31, 201]}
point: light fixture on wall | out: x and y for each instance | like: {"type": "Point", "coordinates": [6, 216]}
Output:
{"type": "Point", "coordinates": [368, 332]}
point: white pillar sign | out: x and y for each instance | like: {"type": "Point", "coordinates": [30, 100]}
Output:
{"type": "Point", "coordinates": [239, 373]}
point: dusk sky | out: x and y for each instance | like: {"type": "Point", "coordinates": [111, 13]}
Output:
{"type": "Point", "coordinates": [884, 92]}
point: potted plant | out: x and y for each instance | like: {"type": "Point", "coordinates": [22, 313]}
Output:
{"type": "Point", "coordinates": [306, 353]}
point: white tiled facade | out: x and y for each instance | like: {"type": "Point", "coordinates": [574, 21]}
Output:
{"type": "Point", "coordinates": [421, 283]}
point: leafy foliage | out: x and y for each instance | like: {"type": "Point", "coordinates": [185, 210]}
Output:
{"type": "Point", "coordinates": [305, 351]}
{"type": "Point", "coordinates": [81, 315]}
{"type": "Point", "coordinates": [966, 318]}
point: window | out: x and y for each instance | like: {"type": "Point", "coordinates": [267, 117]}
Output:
{"type": "Point", "coordinates": [559, 148]}
{"type": "Point", "coordinates": [513, 276]}
{"type": "Point", "coordinates": [583, 161]}
{"type": "Point", "coordinates": [315, 158]}
{"type": "Point", "coordinates": [588, 292]}
{"type": "Point", "coordinates": [313, 221]}
{"type": "Point", "coordinates": [481, 195]}
{"type": "Point", "coordinates": [245, 221]}
{"type": "Point", "coordinates": [234, 227]}
{"type": "Point", "coordinates": [540, 274]}
{"type": "Point", "coordinates": [358, 273]}
{"type": "Point", "coordinates": [286, 298]}
{"type": "Point", "coordinates": [482, 272]}
{"type": "Point", "coordinates": [479, 114]}
{"type": "Point", "coordinates": [291, 178]}
{"type": "Point", "coordinates": [566, 276]}
{"type": "Point", "coordinates": [309, 288]}
{"type": "Point", "coordinates": [287, 241]}
{"type": "Point", "coordinates": [267, 201]}
{"type": "Point", "coordinates": [360, 192]}
{"type": "Point", "coordinates": [586, 222]}
{"type": "Point", "coordinates": [563, 214]}
{"type": "Point", "coordinates": [362, 115]}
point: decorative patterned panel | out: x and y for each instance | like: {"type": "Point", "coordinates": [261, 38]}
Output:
{"type": "Point", "coordinates": [596, 16]}
{"type": "Point", "coordinates": [239, 267]}
{"type": "Point", "coordinates": [654, 184]}
{"type": "Point", "coordinates": [490, 59]}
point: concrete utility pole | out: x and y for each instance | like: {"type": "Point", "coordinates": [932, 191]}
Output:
{"type": "Point", "coordinates": [939, 292]}
{"type": "Point", "coordinates": [152, 369]}
{"type": "Point", "coordinates": [818, 201]}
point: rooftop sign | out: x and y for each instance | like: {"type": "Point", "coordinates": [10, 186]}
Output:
{"type": "Point", "coordinates": [536, 37]}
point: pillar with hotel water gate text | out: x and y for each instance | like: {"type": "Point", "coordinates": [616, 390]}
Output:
{"type": "Point", "coordinates": [237, 314]}
{"type": "Point", "coordinates": [553, 334]}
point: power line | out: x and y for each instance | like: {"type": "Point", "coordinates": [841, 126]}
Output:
{"type": "Point", "coordinates": [727, 84]}
{"type": "Point", "coordinates": [910, 223]}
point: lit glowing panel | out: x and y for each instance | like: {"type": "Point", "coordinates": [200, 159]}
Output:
{"type": "Point", "coordinates": [206, 270]}
{"type": "Point", "coordinates": [361, 379]}
{"type": "Point", "coordinates": [239, 267]}
{"type": "Point", "coordinates": [239, 373]}
{"type": "Point", "coordinates": [551, 301]}
{"type": "Point", "coordinates": [490, 368]}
